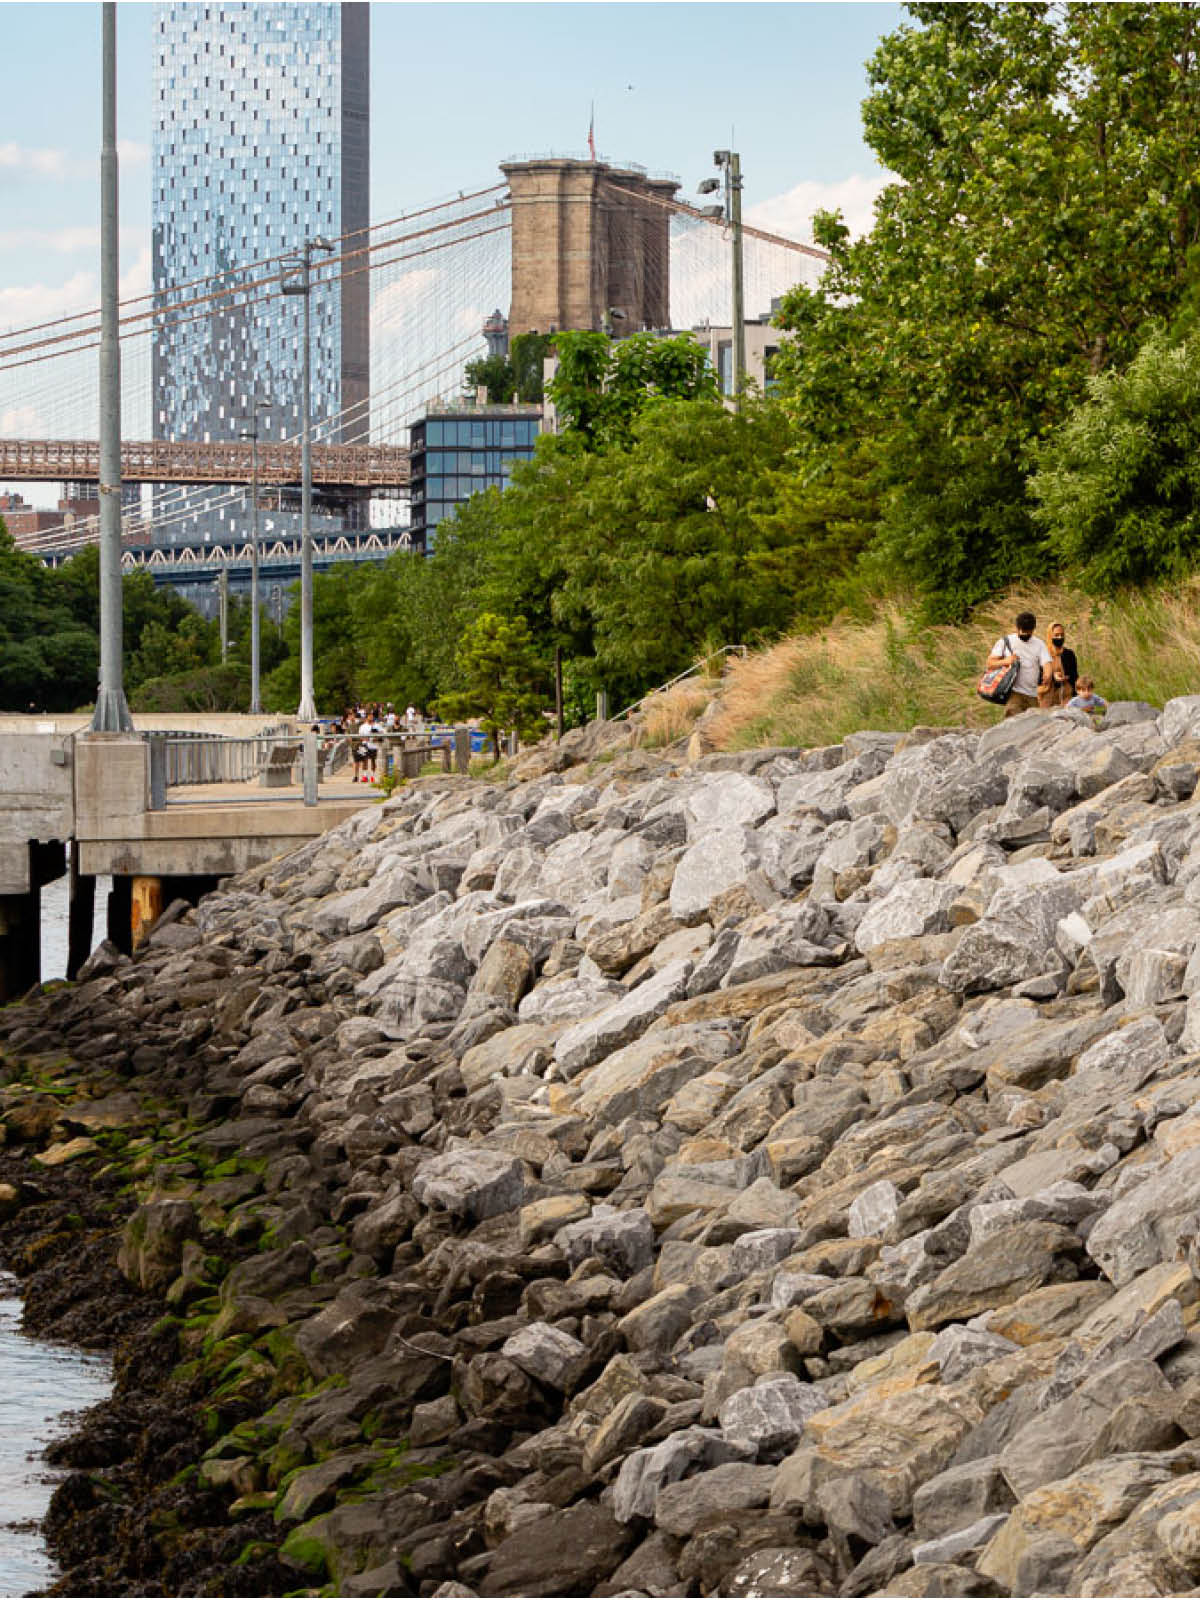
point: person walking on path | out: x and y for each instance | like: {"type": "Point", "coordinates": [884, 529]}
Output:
{"type": "Point", "coordinates": [1034, 659]}
{"type": "Point", "coordinates": [1058, 688]}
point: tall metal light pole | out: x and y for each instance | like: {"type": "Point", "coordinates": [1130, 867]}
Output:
{"type": "Point", "coordinates": [112, 712]}
{"type": "Point", "coordinates": [730, 163]}
{"type": "Point", "coordinates": [300, 283]}
{"type": "Point", "coordinates": [252, 434]}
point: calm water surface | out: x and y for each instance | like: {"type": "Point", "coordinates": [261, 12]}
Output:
{"type": "Point", "coordinates": [40, 1384]}
{"type": "Point", "coordinates": [54, 924]}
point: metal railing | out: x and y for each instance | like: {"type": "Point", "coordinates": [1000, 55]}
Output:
{"type": "Point", "coordinates": [722, 655]}
{"type": "Point", "coordinates": [283, 759]}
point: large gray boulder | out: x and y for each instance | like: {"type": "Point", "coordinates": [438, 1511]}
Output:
{"type": "Point", "coordinates": [1147, 1225]}
{"type": "Point", "coordinates": [471, 1181]}
{"type": "Point", "coordinates": [623, 1021]}
{"type": "Point", "coordinates": [910, 910]}
{"type": "Point", "coordinates": [714, 864]}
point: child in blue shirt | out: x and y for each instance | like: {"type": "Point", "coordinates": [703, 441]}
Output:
{"type": "Point", "coordinates": [1085, 698]}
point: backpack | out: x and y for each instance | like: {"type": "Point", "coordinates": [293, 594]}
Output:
{"type": "Point", "coordinates": [997, 683]}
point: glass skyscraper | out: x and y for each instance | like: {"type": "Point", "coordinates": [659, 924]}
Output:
{"type": "Point", "coordinates": [261, 140]}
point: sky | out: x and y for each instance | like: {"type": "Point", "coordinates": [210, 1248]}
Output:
{"type": "Point", "coordinates": [455, 89]}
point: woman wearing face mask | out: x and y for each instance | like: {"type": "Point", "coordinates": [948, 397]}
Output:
{"type": "Point", "coordinates": [1062, 673]}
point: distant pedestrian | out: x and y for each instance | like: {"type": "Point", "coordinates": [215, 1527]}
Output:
{"type": "Point", "coordinates": [1058, 686]}
{"type": "Point", "coordinates": [1034, 658]}
{"type": "Point", "coordinates": [410, 718]}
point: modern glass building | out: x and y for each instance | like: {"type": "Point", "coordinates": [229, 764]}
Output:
{"type": "Point", "coordinates": [456, 452]}
{"type": "Point", "coordinates": [261, 141]}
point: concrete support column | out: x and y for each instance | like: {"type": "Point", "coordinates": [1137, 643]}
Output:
{"type": "Point", "coordinates": [20, 943]}
{"type": "Point", "coordinates": [120, 914]}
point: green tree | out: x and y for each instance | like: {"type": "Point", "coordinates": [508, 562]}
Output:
{"type": "Point", "coordinates": [498, 679]}
{"type": "Point", "coordinates": [1118, 488]}
{"type": "Point", "coordinates": [1045, 207]}
{"type": "Point", "coordinates": [673, 550]}
{"type": "Point", "coordinates": [495, 375]}
{"type": "Point", "coordinates": [602, 384]}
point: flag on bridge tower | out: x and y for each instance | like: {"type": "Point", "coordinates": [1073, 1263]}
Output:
{"type": "Point", "coordinates": [592, 131]}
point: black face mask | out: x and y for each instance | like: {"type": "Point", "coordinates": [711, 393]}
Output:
{"type": "Point", "coordinates": [1025, 636]}
{"type": "Point", "coordinates": [1058, 642]}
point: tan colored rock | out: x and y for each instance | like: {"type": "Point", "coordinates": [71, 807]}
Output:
{"type": "Point", "coordinates": [616, 951]}
{"type": "Point", "coordinates": [804, 1333]}
{"type": "Point", "coordinates": [908, 1359]}
{"type": "Point", "coordinates": [1051, 1312]}
{"type": "Point", "coordinates": [756, 1349]}
{"type": "Point", "coordinates": [1002, 1268]}
{"type": "Point", "coordinates": [1081, 1508]}
{"type": "Point", "coordinates": [903, 1438]}
{"type": "Point", "coordinates": [743, 999]}
{"type": "Point", "coordinates": [506, 972]}
{"type": "Point", "coordinates": [543, 1218]}
{"type": "Point", "coordinates": [1146, 1294]}
{"type": "Point", "coordinates": [622, 1376]}
{"type": "Point", "coordinates": [506, 1052]}
{"type": "Point", "coordinates": [694, 1105]}
{"type": "Point", "coordinates": [1179, 1534]}
{"type": "Point", "coordinates": [57, 1155]}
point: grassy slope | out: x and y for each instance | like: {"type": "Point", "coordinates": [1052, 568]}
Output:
{"type": "Point", "coordinates": [815, 688]}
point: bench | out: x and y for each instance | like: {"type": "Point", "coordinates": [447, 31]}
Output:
{"type": "Point", "coordinates": [277, 772]}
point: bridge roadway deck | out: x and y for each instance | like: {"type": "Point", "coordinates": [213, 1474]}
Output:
{"type": "Point", "coordinates": [350, 466]}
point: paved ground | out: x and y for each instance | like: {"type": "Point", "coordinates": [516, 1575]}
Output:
{"type": "Point", "coordinates": [252, 793]}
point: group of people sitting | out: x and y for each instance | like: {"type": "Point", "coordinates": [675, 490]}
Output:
{"type": "Point", "coordinates": [1048, 674]}
{"type": "Point", "coordinates": [364, 723]}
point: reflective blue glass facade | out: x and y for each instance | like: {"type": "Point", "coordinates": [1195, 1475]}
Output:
{"type": "Point", "coordinates": [455, 454]}
{"type": "Point", "coordinates": [260, 141]}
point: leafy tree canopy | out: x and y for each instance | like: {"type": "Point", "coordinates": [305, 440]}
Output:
{"type": "Point", "coordinates": [1046, 207]}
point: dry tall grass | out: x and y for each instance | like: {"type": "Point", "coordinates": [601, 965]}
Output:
{"type": "Point", "coordinates": [669, 714]}
{"type": "Point", "coordinates": [814, 689]}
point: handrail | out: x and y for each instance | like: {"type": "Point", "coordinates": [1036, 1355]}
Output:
{"type": "Point", "coordinates": [724, 650]}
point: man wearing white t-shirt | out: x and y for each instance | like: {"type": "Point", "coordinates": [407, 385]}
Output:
{"type": "Point", "coordinates": [1034, 656]}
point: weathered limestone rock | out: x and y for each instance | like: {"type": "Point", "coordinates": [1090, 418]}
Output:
{"type": "Point", "coordinates": [909, 911]}
{"type": "Point", "coordinates": [619, 1024]}
{"type": "Point", "coordinates": [470, 1182]}
{"type": "Point", "coordinates": [716, 863]}
{"type": "Point", "coordinates": [545, 1353]}
{"type": "Point", "coordinates": [1145, 1226]}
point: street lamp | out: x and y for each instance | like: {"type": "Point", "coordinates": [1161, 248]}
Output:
{"type": "Point", "coordinates": [251, 433]}
{"type": "Point", "coordinates": [730, 163]}
{"type": "Point", "coordinates": [299, 283]}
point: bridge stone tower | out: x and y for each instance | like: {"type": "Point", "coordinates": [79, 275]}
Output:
{"type": "Point", "coordinates": [590, 243]}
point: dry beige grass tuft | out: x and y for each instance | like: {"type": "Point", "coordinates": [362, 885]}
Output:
{"type": "Point", "coordinates": [671, 714]}
{"type": "Point", "coordinates": [815, 688]}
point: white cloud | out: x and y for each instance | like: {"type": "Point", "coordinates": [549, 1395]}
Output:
{"type": "Point", "coordinates": [403, 298]}
{"type": "Point", "coordinates": [136, 279]}
{"type": "Point", "coordinates": [23, 160]}
{"type": "Point", "coordinates": [25, 303]}
{"type": "Point", "coordinates": [132, 153]}
{"type": "Point", "coordinates": [792, 213]}
{"type": "Point", "coordinates": [65, 241]}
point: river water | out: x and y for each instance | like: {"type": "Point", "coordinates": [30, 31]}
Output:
{"type": "Point", "coordinates": [54, 924]}
{"type": "Point", "coordinates": [40, 1384]}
